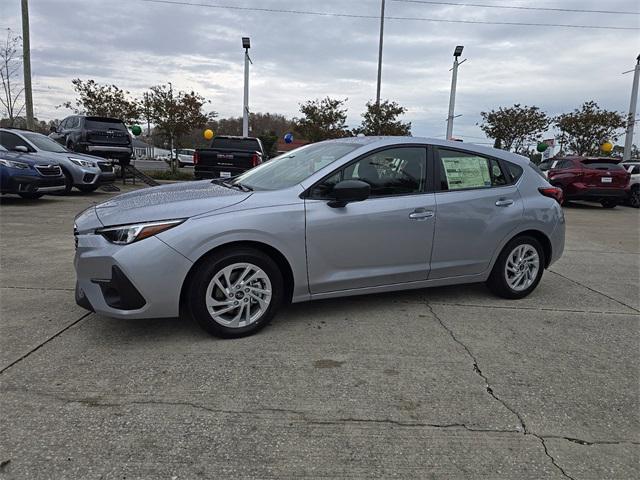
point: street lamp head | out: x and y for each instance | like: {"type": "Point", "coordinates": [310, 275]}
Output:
{"type": "Point", "coordinates": [246, 43]}
{"type": "Point", "coordinates": [458, 51]}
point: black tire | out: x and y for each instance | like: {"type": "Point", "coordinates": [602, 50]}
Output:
{"type": "Point", "coordinates": [31, 195]}
{"type": "Point", "coordinates": [608, 203]}
{"type": "Point", "coordinates": [68, 182]}
{"type": "Point", "coordinates": [634, 197]}
{"type": "Point", "coordinates": [204, 274]}
{"type": "Point", "coordinates": [497, 281]}
{"type": "Point", "coordinates": [87, 188]}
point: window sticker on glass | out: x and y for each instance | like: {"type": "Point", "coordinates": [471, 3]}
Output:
{"type": "Point", "coordinates": [466, 172]}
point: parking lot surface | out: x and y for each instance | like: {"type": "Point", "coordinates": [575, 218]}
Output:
{"type": "Point", "coordinates": [441, 383]}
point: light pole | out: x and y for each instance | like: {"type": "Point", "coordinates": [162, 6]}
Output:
{"type": "Point", "coordinates": [380, 53]}
{"type": "Point", "coordinates": [631, 120]}
{"type": "Point", "coordinates": [246, 44]}
{"type": "Point", "coordinates": [26, 64]}
{"type": "Point", "coordinates": [452, 97]}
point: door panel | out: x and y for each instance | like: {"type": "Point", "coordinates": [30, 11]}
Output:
{"type": "Point", "coordinates": [469, 226]}
{"type": "Point", "coordinates": [475, 210]}
{"type": "Point", "coordinates": [379, 241]}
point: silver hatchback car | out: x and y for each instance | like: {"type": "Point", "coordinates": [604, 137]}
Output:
{"type": "Point", "coordinates": [341, 217]}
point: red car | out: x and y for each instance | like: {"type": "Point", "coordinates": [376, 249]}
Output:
{"type": "Point", "coordinates": [593, 179]}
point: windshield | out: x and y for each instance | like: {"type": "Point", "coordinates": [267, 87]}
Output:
{"type": "Point", "coordinates": [292, 168]}
{"type": "Point", "coordinates": [44, 143]}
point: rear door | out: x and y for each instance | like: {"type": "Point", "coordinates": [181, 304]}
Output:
{"type": "Point", "coordinates": [383, 240]}
{"type": "Point", "coordinates": [477, 206]}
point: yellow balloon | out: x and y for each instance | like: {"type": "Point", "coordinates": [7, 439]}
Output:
{"type": "Point", "coordinates": [606, 147]}
{"type": "Point", "coordinates": [208, 134]}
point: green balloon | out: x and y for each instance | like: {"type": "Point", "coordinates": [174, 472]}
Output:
{"type": "Point", "coordinates": [542, 147]}
{"type": "Point", "coordinates": [136, 130]}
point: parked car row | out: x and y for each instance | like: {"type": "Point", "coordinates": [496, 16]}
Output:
{"type": "Point", "coordinates": [84, 172]}
{"type": "Point", "coordinates": [597, 179]}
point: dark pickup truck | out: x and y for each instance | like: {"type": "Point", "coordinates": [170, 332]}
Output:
{"type": "Point", "coordinates": [228, 157]}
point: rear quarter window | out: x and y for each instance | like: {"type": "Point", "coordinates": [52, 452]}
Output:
{"type": "Point", "coordinates": [514, 170]}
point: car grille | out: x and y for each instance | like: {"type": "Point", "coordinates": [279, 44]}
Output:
{"type": "Point", "coordinates": [105, 167]}
{"type": "Point", "coordinates": [49, 170]}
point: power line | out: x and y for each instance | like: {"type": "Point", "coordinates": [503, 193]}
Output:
{"type": "Point", "coordinates": [546, 9]}
{"type": "Point", "coordinates": [376, 17]}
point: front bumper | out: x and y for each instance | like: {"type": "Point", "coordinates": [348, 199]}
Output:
{"type": "Point", "coordinates": [140, 280]}
{"type": "Point", "coordinates": [34, 184]}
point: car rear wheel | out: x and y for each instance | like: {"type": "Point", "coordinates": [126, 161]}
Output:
{"type": "Point", "coordinates": [518, 269]}
{"type": "Point", "coordinates": [608, 203]}
{"type": "Point", "coordinates": [31, 195]}
{"type": "Point", "coordinates": [236, 292]}
{"type": "Point", "coordinates": [634, 197]}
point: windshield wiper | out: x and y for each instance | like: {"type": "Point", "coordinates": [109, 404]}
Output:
{"type": "Point", "coordinates": [225, 183]}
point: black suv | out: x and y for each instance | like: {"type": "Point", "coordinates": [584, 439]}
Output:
{"type": "Point", "coordinates": [101, 136]}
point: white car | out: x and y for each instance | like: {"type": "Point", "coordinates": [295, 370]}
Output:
{"type": "Point", "coordinates": [185, 156]}
{"type": "Point", "coordinates": [633, 197]}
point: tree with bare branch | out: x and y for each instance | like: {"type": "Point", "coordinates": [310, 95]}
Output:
{"type": "Point", "coordinates": [12, 98]}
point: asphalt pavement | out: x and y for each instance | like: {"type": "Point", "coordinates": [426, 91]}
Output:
{"type": "Point", "coordinates": [430, 384]}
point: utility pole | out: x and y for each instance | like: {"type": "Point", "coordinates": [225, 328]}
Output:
{"type": "Point", "coordinates": [246, 44]}
{"type": "Point", "coordinates": [380, 54]}
{"type": "Point", "coordinates": [26, 64]}
{"type": "Point", "coordinates": [452, 97]}
{"type": "Point", "coordinates": [631, 121]}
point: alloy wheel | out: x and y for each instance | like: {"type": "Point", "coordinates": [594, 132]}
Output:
{"type": "Point", "coordinates": [238, 295]}
{"type": "Point", "coordinates": [521, 267]}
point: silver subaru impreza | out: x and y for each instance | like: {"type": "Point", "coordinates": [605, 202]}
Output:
{"type": "Point", "coordinates": [341, 217]}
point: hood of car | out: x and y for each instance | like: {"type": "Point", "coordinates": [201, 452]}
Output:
{"type": "Point", "coordinates": [178, 200]}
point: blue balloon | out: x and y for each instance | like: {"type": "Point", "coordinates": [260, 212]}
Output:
{"type": "Point", "coordinates": [288, 138]}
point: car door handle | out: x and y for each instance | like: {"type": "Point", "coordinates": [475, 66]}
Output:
{"type": "Point", "coordinates": [420, 213]}
{"type": "Point", "coordinates": [504, 202]}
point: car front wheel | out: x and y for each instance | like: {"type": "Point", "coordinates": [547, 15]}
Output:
{"type": "Point", "coordinates": [31, 195]}
{"type": "Point", "coordinates": [518, 269]}
{"type": "Point", "coordinates": [236, 292]}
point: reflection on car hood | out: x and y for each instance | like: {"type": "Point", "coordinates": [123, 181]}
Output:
{"type": "Point", "coordinates": [178, 200]}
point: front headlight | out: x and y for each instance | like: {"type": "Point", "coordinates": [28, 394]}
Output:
{"type": "Point", "coordinates": [82, 163]}
{"type": "Point", "coordinates": [12, 164]}
{"type": "Point", "coordinates": [126, 234]}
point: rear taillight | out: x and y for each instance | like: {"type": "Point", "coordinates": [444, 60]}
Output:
{"type": "Point", "coordinates": [552, 192]}
{"type": "Point", "coordinates": [196, 158]}
{"type": "Point", "coordinates": [256, 159]}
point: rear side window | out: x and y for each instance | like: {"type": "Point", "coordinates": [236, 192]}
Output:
{"type": "Point", "coordinates": [514, 170]}
{"type": "Point", "coordinates": [240, 144]}
{"type": "Point", "coordinates": [462, 171]}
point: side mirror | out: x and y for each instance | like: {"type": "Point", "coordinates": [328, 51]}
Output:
{"type": "Point", "coordinates": [349, 191]}
{"type": "Point", "coordinates": [53, 129]}
{"type": "Point", "coordinates": [20, 148]}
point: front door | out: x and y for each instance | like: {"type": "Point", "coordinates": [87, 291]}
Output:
{"type": "Point", "coordinates": [383, 240]}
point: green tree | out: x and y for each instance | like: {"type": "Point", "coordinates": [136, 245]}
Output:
{"type": "Point", "coordinates": [383, 119]}
{"type": "Point", "coordinates": [103, 101]}
{"type": "Point", "coordinates": [175, 114]}
{"type": "Point", "coordinates": [583, 130]}
{"type": "Point", "coordinates": [514, 127]}
{"type": "Point", "coordinates": [323, 119]}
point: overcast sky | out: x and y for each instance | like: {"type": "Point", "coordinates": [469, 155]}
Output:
{"type": "Point", "coordinates": [136, 44]}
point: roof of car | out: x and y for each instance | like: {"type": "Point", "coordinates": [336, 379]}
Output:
{"type": "Point", "coordinates": [469, 147]}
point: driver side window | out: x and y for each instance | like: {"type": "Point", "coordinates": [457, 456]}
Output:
{"type": "Point", "coordinates": [396, 171]}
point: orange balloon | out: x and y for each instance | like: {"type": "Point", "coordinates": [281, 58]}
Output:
{"type": "Point", "coordinates": [208, 134]}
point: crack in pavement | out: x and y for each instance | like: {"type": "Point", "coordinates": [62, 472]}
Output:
{"type": "Point", "coordinates": [522, 428]}
{"type": "Point", "coordinates": [594, 290]}
{"type": "Point", "coordinates": [41, 288]}
{"type": "Point", "coordinates": [535, 309]}
{"type": "Point", "coordinates": [38, 347]}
